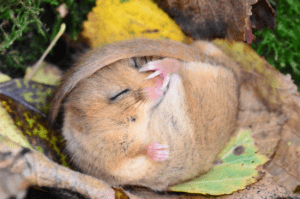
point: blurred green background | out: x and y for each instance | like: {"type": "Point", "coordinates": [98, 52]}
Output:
{"type": "Point", "coordinates": [28, 26]}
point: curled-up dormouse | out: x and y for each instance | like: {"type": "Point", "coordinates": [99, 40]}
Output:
{"type": "Point", "coordinates": [148, 112]}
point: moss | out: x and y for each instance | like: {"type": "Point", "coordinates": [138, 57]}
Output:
{"type": "Point", "coordinates": [40, 149]}
{"type": "Point", "coordinates": [28, 26]}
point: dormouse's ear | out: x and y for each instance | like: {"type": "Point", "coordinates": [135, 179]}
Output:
{"type": "Point", "coordinates": [96, 59]}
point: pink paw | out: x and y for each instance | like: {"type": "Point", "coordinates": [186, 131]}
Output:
{"type": "Point", "coordinates": [162, 68]}
{"type": "Point", "coordinates": [158, 152]}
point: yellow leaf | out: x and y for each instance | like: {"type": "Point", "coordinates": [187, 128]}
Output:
{"type": "Point", "coordinates": [118, 20]}
{"type": "Point", "coordinates": [9, 130]}
{"type": "Point", "coordinates": [4, 78]}
{"type": "Point", "coordinates": [46, 74]}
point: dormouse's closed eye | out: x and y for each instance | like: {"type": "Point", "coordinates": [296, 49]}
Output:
{"type": "Point", "coordinates": [118, 95]}
{"type": "Point", "coordinates": [136, 65]}
{"type": "Point", "coordinates": [138, 62]}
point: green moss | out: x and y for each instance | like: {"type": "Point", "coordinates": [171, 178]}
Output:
{"type": "Point", "coordinates": [37, 128]}
{"type": "Point", "coordinates": [54, 140]}
{"type": "Point", "coordinates": [40, 149]}
{"type": "Point", "coordinates": [18, 15]}
{"type": "Point", "coordinates": [30, 121]}
{"type": "Point", "coordinates": [28, 26]}
{"type": "Point", "coordinates": [6, 106]}
{"type": "Point", "coordinates": [281, 46]}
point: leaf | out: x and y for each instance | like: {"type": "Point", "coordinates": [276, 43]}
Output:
{"type": "Point", "coordinates": [24, 110]}
{"type": "Point", "coordinates": [285, 167]}
{"type": "Point", "coordinates": [31, 94]}
{"type": "Point", "coordinates": [237, 169]}
{"type": "Point", "coordinates": [31, 130]}
{"type": "Point", "coordinates": [8, 129]}
{"type": "Point", "coordinates": [204, 19]}
{"type": "Point", "coordinates": [277, 94]}
{"type": "Point", "coordinates": [47, 74]}
{"type": "Point", "coordinates": [118, 20]}
{"type": "Point", "coordinates": [266, 188]}
{"type": "Point", "coordinates": [4, 78]}
{"type": "Point", "coordinates": [263, 15]}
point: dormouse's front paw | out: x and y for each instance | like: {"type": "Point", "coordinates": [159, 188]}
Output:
{"type": "Point", "coordinates": [158, 152]}
{"type": "Point", "coordinates": [162, 68]}
{"type": "Point", "coordinates": [161, 75]}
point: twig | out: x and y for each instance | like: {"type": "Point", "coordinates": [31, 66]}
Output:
{"type": "Point", "coordinates": [37, 65]}
{"type": "Point", "coordinates": [23, 167]}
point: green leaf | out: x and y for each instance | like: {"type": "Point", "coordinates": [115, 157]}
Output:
{"type": "Point", "coordinates": [30, 94]}
{"type": "Point", "coordinates": [236, 169]}
{"type": "Point", "coordinates": [4, 78]}
{"type": "Point", "coordinates": [23, 109]}
{"type": "Point", "coordinates": [46, 74]}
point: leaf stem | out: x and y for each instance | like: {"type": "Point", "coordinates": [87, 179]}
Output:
{"type": "Point", "coordinates": [37, 65]}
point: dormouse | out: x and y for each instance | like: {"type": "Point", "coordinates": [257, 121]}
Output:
{"type": "Point", "coordinates": [148, 112]}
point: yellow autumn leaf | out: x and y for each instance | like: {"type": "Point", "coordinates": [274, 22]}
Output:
{"type": "Point", "coordinates": [118, 20]}
{"type": "Point", "coordinates": [4, 78]}
{"type": "Point", "coordinates": [46, 74]}
{"type": "Point", "coordinates": [9, 130]}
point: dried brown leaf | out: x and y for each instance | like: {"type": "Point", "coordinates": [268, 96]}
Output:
{"type": "Point", "coordinates": [204, 19]}
{"type": "Point", "coordinates": [276, 103]}
{"type": "Point", "coordinates": [263, 15]}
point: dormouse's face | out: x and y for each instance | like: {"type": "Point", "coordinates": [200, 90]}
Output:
{"type": "Point", "coordinates": [115, 98]}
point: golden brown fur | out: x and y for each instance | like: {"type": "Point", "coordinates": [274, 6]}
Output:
{"type": "Point", "coordinates": [195, 118]}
